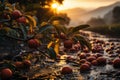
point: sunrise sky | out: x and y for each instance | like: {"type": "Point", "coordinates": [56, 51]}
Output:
{"type": "Point", "coordinates": [87, 4]}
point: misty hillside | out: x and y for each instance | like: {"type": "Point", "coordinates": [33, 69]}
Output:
{"type": "Point", "coordinates": [99, 12]}
{"type": "Point", "coordinates": [74, 15]}
{"type": "Point", "coordinates": [74, 10]}
{"type": "Point", "coordinates": [79, 16]}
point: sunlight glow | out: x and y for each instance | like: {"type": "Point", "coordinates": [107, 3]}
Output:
{"type": "Point", "coordinates": [55, 5]}
{"type": "Point", "coordinates": [85, 4]}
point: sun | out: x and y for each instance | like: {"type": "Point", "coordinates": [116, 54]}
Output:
{"type": "Point", "coordinates": [56, 6]}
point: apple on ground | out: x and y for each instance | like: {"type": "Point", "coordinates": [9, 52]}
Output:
{"type": "Point", "coordinates": [66, 70]}
{"type": "Point", "coordinates": [84, 67]}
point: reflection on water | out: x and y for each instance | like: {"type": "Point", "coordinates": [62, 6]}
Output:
{"type": "Point", "coordinates": [62, 61]}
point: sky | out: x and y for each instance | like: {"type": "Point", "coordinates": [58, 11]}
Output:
{"type": "Point", "coordinates": [86, 4]}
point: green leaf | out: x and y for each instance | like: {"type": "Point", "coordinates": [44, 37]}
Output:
{"type": "Point", "coordinates": [60, 28]}
{"type": "Point", "coordinates": [24, 30]}
{"type": "Point", "coordinates": [76, 29]}
{"type": "Point", "coordinates": [51, 52]}
{"type": "Point", "coordinates": [56, 18]}
{"type": "Point", "coordinates": [13, 33]}
{"type": "Point", "coordinates": [7, 64]}
{"type": "Point", "coordinates": [83, 41]}
{"type": "Point", "coordinates": [44, 28]}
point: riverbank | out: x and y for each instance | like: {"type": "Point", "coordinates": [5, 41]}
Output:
{"type": "Point", "coordinates": [109, 31]}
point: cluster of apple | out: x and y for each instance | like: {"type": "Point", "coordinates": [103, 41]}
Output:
{"type": "Point", "coordinates": [68, 43]}
{"type": "Point", "coordinates": [22, 64]}
{"type": "Point", "coordinates": [97, 57]}
{"type": "Point", "coordinates": [71, 46]}
{"type": "Point", "coordinates": [97, 45]}
{"type": "Point", "coordinates": [7, 72]}
{"type": "Point", "coordinates": [113, 49]}
{"type": "Point", "coordinates": [88, 59]}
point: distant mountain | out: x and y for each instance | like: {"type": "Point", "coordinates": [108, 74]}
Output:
{"type": "Point", "coordinates": [80, 16]}
{"type": "Point", "coordinates": [74, 11]}
{"type": "Point", "coordinates": [74, 15]}
{"type": "Point", "coordinates": [99, 12]}
{"type": "Point", "coordinates": [108, 17]}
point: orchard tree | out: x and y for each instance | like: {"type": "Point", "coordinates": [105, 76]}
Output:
{"type": "Point", "coordinates": [40, 8]}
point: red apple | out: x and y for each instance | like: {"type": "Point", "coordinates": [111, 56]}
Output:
{"type": "Point", "coordinates": [27, 63]}
{"type": "Point", "coordinates": [16, 14]}
{"type": "Point", "coordinates": [88, 54]}
{"type": "Point", "coordinates": [33, 43]}
{"type": "Point", "coordinates": [99, 55]}
{"type": "Point", "coordinates": [116, 63]}
{"type": "Point", "coordinates": [67, 70]}
{"type": "Point", "coordinates": [88, 63]}
{"type": "Point", "coordinates": [94, 63]}
{"type": "Point", "coordinates": [82, 61]}
{"type": "Point", "coordinates": [62, 36]}
{"type": "Point", "coordinates": [18, 64]}
{"type": "Point", "coordinates": [91, 58]}
{"type": "Point", "coordinates": [68, 44]}
{"type": "Point", "coordinates": [6, 73]}
{"type": "Point", "coordinates": [22, 20]}
{"type": "Point", "coordinates": [84, 67]}
{"type": "Point", "coordinates": [101, 61]}
{"type": "Point", "coordinates": [82, 55]}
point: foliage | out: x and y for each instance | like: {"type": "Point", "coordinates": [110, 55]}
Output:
{"type": "Point", "coordinates": [40, 8]}
{"type": "Point", "coordinates": [62, 18]}
{"type": "Point", "coordinates": [73, 33]}
{"type": "Point", "coordinates": [96, 22]}
{"type": "Point", "coordinates": [116, 16]}
{"type": "Point", "coordinates": [111, 30]}
{"type": "Point", "coordinates": [20, 27]}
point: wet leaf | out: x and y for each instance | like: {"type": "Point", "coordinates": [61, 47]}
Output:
{"type": "Point", "coordinates": [83, 41]}
{"type": "Point", "coordinates": [76, 29]}
{"type": "Point", "coordinates": [44, 28]}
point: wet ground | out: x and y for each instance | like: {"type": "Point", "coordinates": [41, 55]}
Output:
{"type": "Point", "coordinates": [47, 69]}
{"type": "Point", "coordinates": [52, 70]}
